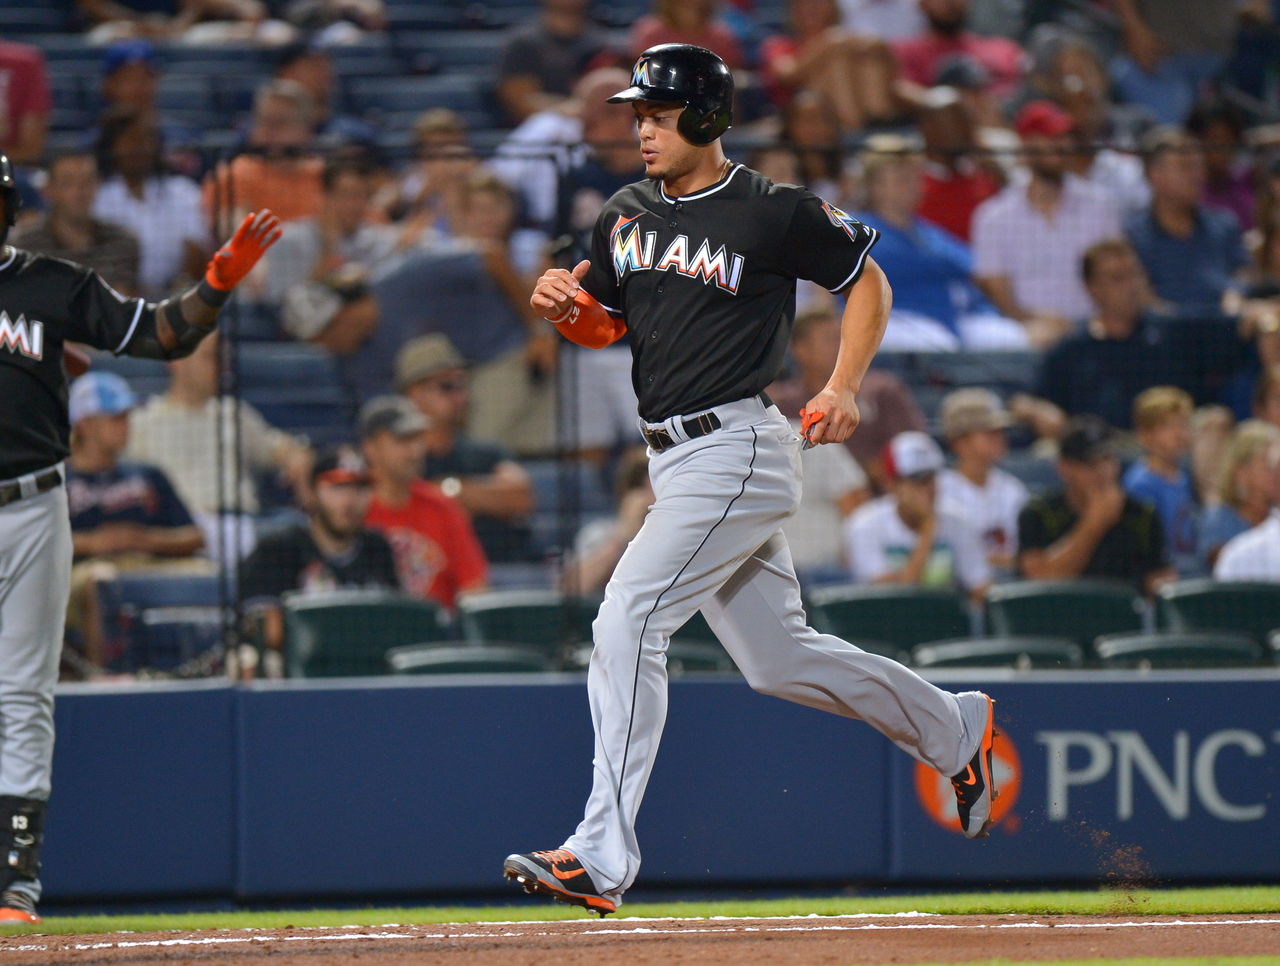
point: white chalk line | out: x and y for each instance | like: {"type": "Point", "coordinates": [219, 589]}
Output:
{"type": "Point", "coordinates": [613, 929]}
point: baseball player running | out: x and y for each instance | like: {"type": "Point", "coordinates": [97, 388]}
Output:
{"type": "Point", "coordinates": [44, 301]}
{"type": "Point", "coordinates": [699, 263]}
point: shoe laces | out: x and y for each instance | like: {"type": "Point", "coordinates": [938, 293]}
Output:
{"type": "Point", "coordinates": [556, 856]}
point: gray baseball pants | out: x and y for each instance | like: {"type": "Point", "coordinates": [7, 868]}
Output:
{"type": "Point", "coordinates": [712, 542]}
{"type": "Point", "coordinates": [35, 575]}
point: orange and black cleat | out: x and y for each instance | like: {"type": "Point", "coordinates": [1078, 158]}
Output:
{"type": "Point", "coordinates": [975, 787]}
{"type": "Point", "coordinates": [17, 907]}
{"type": "Point", "coordinates": [557, 874]}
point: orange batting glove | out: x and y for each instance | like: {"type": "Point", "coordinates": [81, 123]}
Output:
{"type": "Point", "coordinates": [233, 261]}
{"type": "Point", "coordinates": [807, 422]}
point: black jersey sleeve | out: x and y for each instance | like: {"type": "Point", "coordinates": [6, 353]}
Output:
{"type": "Point", "coordinates": [98, 315]}
{"type": "Point", "coordinates": [825, 245]}
{"type": "Point", "coordinates": [601, 282]}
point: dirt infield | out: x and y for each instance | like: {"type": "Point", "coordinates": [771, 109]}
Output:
{"type": "Point", "coordinates": [903, 938]}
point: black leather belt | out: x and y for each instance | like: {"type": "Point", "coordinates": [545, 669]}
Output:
{"type": "Point", "coordinates": [694, 426]}
{"type": "Point", "coordinates": [11, 492]}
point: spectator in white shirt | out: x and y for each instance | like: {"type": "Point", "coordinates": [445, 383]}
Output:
{"type": "Point", "coordinates": [974, 423]}
{"type": "Point", "coordinates": [162, 210]}
{"type": "Point", "coordinates": [1255, 554]}
{"type": "Point", "coordinates": [907, 536]}
{"type": "Point", "coordinates": [1028, 240]}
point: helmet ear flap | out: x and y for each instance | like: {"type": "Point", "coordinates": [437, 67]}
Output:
{"type": "Point", "coordinates": [703, 127]}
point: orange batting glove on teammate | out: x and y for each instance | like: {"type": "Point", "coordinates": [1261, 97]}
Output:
{"type": "Point", "coordinates": [234, 260]}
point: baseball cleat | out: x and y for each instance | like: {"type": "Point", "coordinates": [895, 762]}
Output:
{"type": "Point", "coordinates": [975, 787]}
{"type": "Point", "coordinates": [17, 907]}
{"type": "Point", "coordinates": [557, 874]}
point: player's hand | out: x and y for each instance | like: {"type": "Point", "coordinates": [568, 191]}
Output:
{"type": "Point", "coordinates": [839, 416]}
{"type": "Point", "coordinates": [554, 292]}
{"type": "Point", "coordinates": [233, 261]}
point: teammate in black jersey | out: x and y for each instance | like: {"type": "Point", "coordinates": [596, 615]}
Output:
{"type": "Point", "coordinates": [44, 302]}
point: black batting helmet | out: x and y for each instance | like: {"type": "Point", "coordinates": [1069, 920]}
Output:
{"type": "Point", "coordinates": [9, 192]}
{"type": "Point", "coordinates": [688, 75]}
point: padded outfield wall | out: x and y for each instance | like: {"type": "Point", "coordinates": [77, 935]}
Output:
{"type": "Point", "coordinates": [360, 789]}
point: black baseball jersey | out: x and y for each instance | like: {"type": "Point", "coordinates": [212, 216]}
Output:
{"type": "Point", "coordinates": [44, 301]}
{"type": "Point", "coordinates": [706, 282]}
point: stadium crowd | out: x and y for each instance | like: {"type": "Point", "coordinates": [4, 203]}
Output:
{"type": "Point", "coordinates": [1079, 211]}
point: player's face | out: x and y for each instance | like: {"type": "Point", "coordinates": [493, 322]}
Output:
{"type": "Point", "coordinates": [666, 155]}
{"type": "Point", "coordinates": [342, 507]}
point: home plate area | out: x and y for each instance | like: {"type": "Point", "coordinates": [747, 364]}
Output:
{"type": "Point", "coordinates": [912, 937]}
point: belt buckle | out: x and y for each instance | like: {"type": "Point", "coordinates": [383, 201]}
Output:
{"type": "Point", "coordinates": [658, 439]}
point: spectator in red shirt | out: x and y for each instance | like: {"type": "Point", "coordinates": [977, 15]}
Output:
{"type": "Point", "coordinates": [919, 58]}
{"type": "Point", "coordinates": [686, 22]}
{"type": "Point", "coordinates": [955, 181]}
{"type": "Point", "coordinates": [24, 102]}
{"type": "Point", "coordinates": [438, 555]}
{"type": "Point", "coordinates": [856, 73]}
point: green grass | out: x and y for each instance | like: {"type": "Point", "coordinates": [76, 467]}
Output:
{"type": "Point", "coordinates": [1220, 900]}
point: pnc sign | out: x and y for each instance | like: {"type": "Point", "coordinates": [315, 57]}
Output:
{"type": "Point", "coordinates": [936, 796]}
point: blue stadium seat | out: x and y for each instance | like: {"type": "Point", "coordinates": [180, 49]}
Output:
{"type": "Point", "coordinates": [568, 486]}
{"type": "Point", "coordinates": [286, 365]}
{"type": "Point", "coordinates": [146, 377]}
{"type": "Point", "coordinates": [185, 92]}
{"type": "Point", "coordinates": [427, 15]}
{"type": "Point", "coordinates": [392, 96]}
{"type": "Point", "coordinates": [32, 18]}
{"type": "Point", "coordinates": [473, 50]}
{"type": "Point", "coordinates": [160, 621]}
{"type": "Point", "coordinates": [1038, 474]}
{"type": "Point", "coordinates": [323, 416]}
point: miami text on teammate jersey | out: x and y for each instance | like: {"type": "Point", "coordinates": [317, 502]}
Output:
{"type": "Point", "coordinates": [22, 336]}
{"type": "Point", "coordinates": [633, 251]}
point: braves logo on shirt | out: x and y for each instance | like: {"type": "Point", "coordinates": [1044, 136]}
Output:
{"type": "Point", "coordinates": [633, 251]}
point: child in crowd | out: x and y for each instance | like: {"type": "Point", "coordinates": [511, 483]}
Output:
{"type": "Point", "coordinates": [1162, 423]}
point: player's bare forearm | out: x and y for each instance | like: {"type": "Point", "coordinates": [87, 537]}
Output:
{"type": "Point", "coordinates": [866, 313]}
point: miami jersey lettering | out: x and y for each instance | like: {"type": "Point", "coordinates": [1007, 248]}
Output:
{"type": "Point", "coordinates": [633, 251]}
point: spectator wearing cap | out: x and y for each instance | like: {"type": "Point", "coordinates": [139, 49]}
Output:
{"type": "Point", "coordinates": [1027, 241]}
{"type": "Point", "coordinates": [25, 102]}
{"type": "Point", "coordinates": [936, 305]}
{"type": "Point", "coordinates": [331, 550]}
{"type": "Point", "coordinates": [920, 57]}
{"type": "Point", "coordinates": [974, 423]}
{"type": "Point", "coordinates": [131, 73]}
{"type": "Point", "coordinates": [1191, 252]}
{"type": "Point", "coordinates": [124, 515]}
{"type": "Point", "coordinates": [317, 275]}
{"type": "Point", "coordinates": [884, 401]}
{"type": "Point", "coordinates": [1091, 528]}
{"type": "Point", "coordinates": [68, 228]}
{"type": "Point", "coordinates": [482, 476]}
{"type": "Point", "coordinates": [438, 555]}
{"type": "Point", "coordinates": [908, 536]}
{"type": "Point", "coordinates": [956, 179]}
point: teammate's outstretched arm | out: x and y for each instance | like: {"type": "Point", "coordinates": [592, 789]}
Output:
{"type": "Point", "coordinates": [559, 298]}
{"type": "Point", "coordinates": [866, 313]}
{"type": "Point", "coordinates": [179, 324]}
